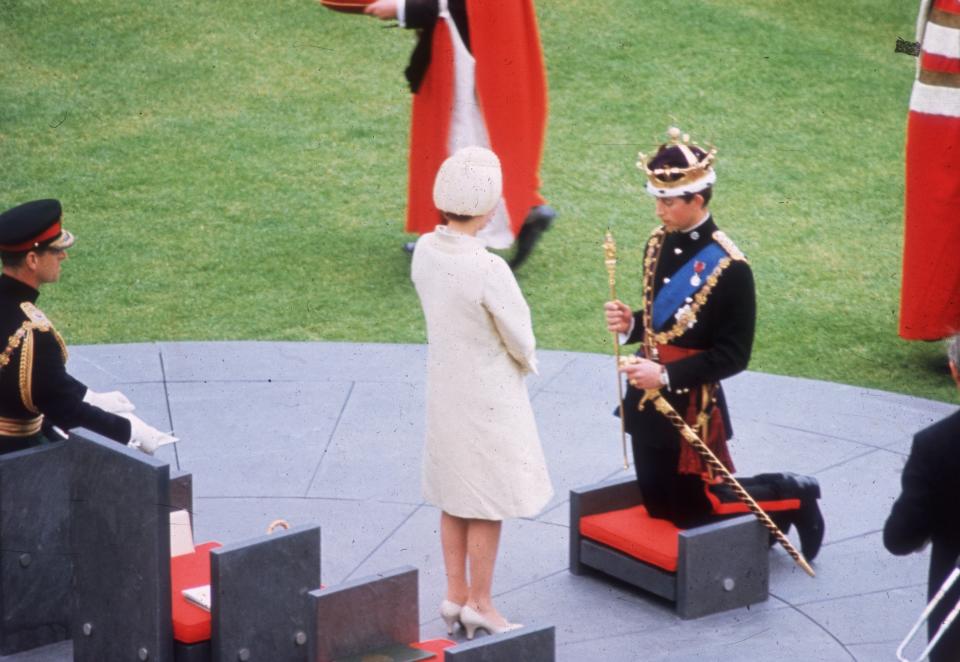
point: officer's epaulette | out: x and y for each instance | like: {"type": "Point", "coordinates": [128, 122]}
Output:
{"type": "Point", "coordinates": [35, 315]}
{"type": "Point", "coordinates": [726, 243]}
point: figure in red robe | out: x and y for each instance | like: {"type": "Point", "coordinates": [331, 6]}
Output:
{"type": "Point", "coordinates": [930, 296]}
{"type": "Point", "coordinates": [478, 78]}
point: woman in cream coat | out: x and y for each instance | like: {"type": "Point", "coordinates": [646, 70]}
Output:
{"type": "Point", "coordinates": [482, 458]}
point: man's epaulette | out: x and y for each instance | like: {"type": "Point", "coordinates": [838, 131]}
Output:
{"type": "Point", "coordinates": [726, 243]}
{"type": "Point", "coordinates": [35, 315]}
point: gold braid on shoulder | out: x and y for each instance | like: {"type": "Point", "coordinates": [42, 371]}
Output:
{"type": "Point", "coordinates": [36, 321]}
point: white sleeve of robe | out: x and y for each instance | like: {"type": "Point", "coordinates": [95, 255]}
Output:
{"type": "Point", "coordinates": [511, 315]}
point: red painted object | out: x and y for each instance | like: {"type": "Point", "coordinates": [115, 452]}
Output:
{"type": "Point", "coordinates": [633, 532]}
{"type": "Point", "coordinates": [191, 624]}
{"type": "Point", "coordinates": [434, 646]}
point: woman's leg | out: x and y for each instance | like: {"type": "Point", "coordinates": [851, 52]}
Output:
{"type": "Point", "coordinates": [453, 539]}
{"type": "Point", "coordinates": [483, 538]}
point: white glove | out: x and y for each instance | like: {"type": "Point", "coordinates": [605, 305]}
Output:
{"type": "Point", "coordinates": [146, 437]}
{"type": "Point", "coordinates": [114, 402]}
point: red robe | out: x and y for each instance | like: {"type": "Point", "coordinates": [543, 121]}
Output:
{"type": "Point", "coordinates": [512, 91]}
{"type": "Point", "coordinates": [930, 295]}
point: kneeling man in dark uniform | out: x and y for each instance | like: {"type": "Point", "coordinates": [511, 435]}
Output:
{"type": "Point", "coordinates": [38, 399]}
{"type": "Point", "coordinates": [696, 327]}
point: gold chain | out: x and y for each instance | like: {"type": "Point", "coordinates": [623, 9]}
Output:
{"type": "Point", "coordinates": [687, 318]}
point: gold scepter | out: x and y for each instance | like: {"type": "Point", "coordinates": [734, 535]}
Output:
{"type": "Point", "coordinates": [610, 260]}
{"type": "Point", "coordinates": [657, 400]}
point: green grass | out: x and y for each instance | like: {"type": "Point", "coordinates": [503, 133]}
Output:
{"type": "Point", "coordinates": [236, 170]}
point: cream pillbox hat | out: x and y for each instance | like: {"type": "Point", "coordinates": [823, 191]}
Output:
{"type": "Point", "coordinates": [469, 183]}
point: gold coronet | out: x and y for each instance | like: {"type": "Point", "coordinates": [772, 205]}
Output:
{"type": "Point", "coordinates": [698, 168]}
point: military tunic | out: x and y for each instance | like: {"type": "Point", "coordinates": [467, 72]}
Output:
{"type": "Point", "coordinates": [721, 334]}
{"type": "Point", "coordinates": [36, 392]}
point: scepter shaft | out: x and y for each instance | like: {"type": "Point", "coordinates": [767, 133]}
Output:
{"type": "Point", "coordinates": [610, 261]}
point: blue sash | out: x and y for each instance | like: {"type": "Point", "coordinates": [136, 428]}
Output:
{"type": "Point", "coordinates": [672, 295]}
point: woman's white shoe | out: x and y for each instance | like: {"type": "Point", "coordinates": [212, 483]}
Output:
{"type": "Point", "coordinates": [450, 613]}
{"type": "Point", "coordinates": [472, 620]}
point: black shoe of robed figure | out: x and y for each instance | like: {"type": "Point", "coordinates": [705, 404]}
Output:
{"type": "Point", "coordinates": [809, 519]}
{"type": "Point", "coordinates": [538, 221]}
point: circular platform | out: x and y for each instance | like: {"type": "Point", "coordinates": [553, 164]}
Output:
{"type": "Point", "coordinates": [331, 433]}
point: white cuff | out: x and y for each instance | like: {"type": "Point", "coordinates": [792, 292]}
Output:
{"type": "Point", "coordinates": [402, 13]}
{"type": "Point", "coordinates": [665, 377]}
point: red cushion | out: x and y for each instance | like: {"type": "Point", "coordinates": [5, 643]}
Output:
{"type": "Point", "coordinates": [434, 646]}
{"type": "Point", "coordinates": [191, 624]}
{"type": "Point", "coordinates": [632, 531]}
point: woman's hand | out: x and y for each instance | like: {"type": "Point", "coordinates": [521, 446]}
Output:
{"type": "Point", "coordinates": [385, 10]}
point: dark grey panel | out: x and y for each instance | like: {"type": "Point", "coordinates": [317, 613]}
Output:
{"type": "Point", "coordinates": [722, 566]}
{"type": "Point", "coordinates": [593, 499]}
{"type": "Point", "coordinates": [530, 644]}
{"type": "Point", "coordinates": [181, 491]}
{"type": "Point", "coordinates": [121, 535]}
{"type": "Point", "coordinates": [191, 652]}
{"type": "Point", "coordinates": [366, 614]}
{"type": "Point", "coordinates": [631, 570]}
{"type": "Point", "coordinates": [35, 563]}
{"type": "Point", "coordinates": [36, 599]}
{"type": "Point", "coordinates": [259, 588]}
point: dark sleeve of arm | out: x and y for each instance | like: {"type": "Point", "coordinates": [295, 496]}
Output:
{"type": "Point", "coordinates": [59, 397]}
{"type": "Point", "coordinates": [909, 525]}
{"type": "Point", "coordinates": [421, 13]}
{"type": "Point", "coordinates": [732, 320]}
{"type": "Point", "coordinates": [636, 335]}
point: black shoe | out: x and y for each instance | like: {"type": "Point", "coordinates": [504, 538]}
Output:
{"type": "Point", "coordinates": [810, 526]}
{"type": "Point", "coordinates": [409, 246]}
{"type": "Point", "coordinates": [535, 224]}
{"type": "Point", "coordinates": [809, 519]}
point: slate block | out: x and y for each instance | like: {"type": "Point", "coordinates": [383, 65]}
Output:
{"type": "Point", "coordinates": [530, 644]}
{"type": "Point", "coordinates": [36, 566]}
{"type": "Point", "coordinates": [722, 566]}
{"type": "Point", "coordinates": [120, 528]}
{"type": "Point", "coordinates": [259, 597]}
{"type": "Point", "coordinates": [365, 614]}
{"type": "Point", "coordinates": [181, 491]}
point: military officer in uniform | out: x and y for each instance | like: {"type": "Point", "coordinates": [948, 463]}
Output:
{"type": "Point", "coordinates": [696, 328]}
{"type": "Point", "coordinates": [38, 398]}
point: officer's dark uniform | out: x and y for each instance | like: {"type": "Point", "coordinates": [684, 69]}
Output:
{"type": "Point", "coordinates": [702, 333]}
{"type": "Point", "coordinates": [36, 393]}
{"type": "Point", "coordinates": [927, 510]}
{"type": "Point", "coordinates": [723, 334]}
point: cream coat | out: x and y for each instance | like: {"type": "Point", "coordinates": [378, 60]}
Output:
{"type": "Point", "coordinates": [482, 457]}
